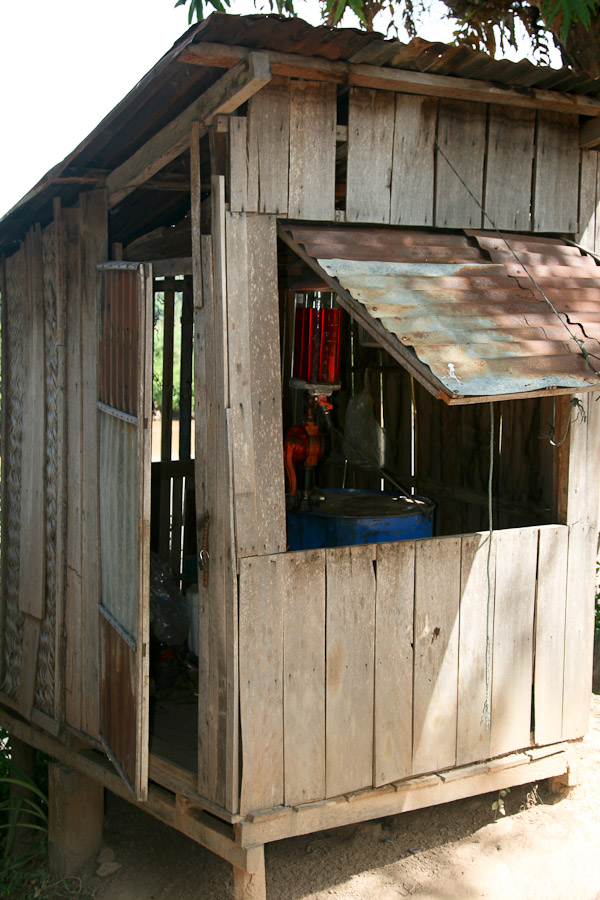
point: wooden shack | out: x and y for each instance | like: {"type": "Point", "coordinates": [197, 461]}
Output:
{"type": "Point", "coordinates": [448, 200]}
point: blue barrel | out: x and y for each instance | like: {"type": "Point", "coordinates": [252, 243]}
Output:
{"type": "Point", "coordinates": [347, 517]}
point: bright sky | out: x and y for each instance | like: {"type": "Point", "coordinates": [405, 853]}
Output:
{"type": "Point", "coordinates": [64, 64]}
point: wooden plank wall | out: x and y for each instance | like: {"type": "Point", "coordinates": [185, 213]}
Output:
{"type": "Point", "coordinates": [404, 159]}
{"type": "Point", "coordinates": [344, 688]}
{"type": "Point", "coordinates": [33, 477]}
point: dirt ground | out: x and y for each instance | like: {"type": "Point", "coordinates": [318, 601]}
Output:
{"type": "Point", "coordinates": [547, 847]}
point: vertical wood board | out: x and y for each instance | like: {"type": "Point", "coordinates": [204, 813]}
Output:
{"type": "Point", "coordinates": [556, 178]}
{"type": "Point", "coordinates": [238, 163]}
{"type": "Point", "coordinates": [313, 116]}
{"type": "Point", "coordinates": [73, 587]}
{"type": "Point", "coordinates": [588, 200]}
{"type": "Point", "coordinates": [349, 669]}
{"type": "Point", "coordinates": [33, 493]}
{"type": "Point", "coordinates": [93, 249]}
{"type": "Point", "coordinates": [370, 152]}
{"type": "Point", "coordinates": [261, 688]}
{"type": "Point", "coordinates": [413, 160]}
{"type": "Point", "coordinates": [265, 370]}
{"type": "Point", "coordinates": [550, 633]}
{"type": "Point", "coordinates": [473, 735]}
{"type": "Point", "coordinates": [512, 678]}
{"type": "Point", "coordinates": [392, 755]}
{"type": "Point", "coordinates": [269, 148]}
{"type": "Point", "coordinates": [579, 630]}
{"type": "Point", "coordinates": [304, 676]}
{"type": "Point", "coordinates": [511, 142]}
{"type": "Point", "coordinates": [437, 594]}
{"type": "Point", "coordinates": [461, 138]}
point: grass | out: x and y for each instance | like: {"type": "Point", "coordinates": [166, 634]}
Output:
{"type": "Point", "coordinates": [24, 872]}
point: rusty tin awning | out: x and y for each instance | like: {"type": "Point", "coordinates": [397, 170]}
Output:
{"type": "Point", "coordinates": [471, 314]}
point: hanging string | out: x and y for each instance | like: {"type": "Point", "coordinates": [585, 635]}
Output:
{"type": "Point", "coordinates": [551, 433]}
{"type": "Point", "coordinates": [486, 712]}
{"type": "Point", "coordinates": [577, 340]}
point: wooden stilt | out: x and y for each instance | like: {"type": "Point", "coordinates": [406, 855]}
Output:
{"type": "Point", "coordinates": [250, 884]}
{"type": "Point", "coordinates": [75, 812]}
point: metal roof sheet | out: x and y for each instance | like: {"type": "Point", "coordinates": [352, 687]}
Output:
{"type": "Point", "coordinates": [482, 316]}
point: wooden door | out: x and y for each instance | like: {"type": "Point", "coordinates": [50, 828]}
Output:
{"type": "Point", "coordinates": [124, 410]}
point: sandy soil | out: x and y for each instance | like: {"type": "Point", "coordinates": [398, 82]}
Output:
{"type": "Point", "coordinates": [547, 847]}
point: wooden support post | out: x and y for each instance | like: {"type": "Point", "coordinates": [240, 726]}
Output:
{"type": "Point", "coordinates": [75, 813]}
{"type": "Point", "coordinates": [250, 883]}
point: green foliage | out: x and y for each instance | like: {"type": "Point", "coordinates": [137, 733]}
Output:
{"type": "Point", "coordinates": [158, 352]}
{"type": "Point", "coordinates": [566, 13]}
{"type": "Point", "coordinates": [498, 805]}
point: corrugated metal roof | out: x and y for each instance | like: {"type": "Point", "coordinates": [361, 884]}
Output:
{"type": "Point", "coordinates": [471, 309]}
{"type": "Point", "coordinates": [172, 85]}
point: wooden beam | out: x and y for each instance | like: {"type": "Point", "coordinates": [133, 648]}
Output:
{"type": "Point", "coordinates": [589, 134]}
{"type": "Point", "coordinates": [246, 77]}
{"type": "Point", "coordinates": [389, 79]}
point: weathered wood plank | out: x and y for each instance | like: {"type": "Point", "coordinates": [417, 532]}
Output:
{"type": "Point", "coordinates": [512, 672]}
{"type": "Point", "coordinates": [588, 200]}
{"type": "Point", "coordinates": [313, 116]}
{"type": "Point", "coordinates": [370, 153]}
{"type": "Point", "coordinates": [304, 676]}
{"type": "Point", "coordinates": [473, 735]}
{"type": "Point", "coordinates": [240, 386]}
{"type": "Point", "coordinates": [349, 669]}
{"type": "Point", "coordinates": [461, 143]}
{"type": "Point", "coordinates": [579, 629]}
{"type": "Point", "coordinates": [390, 79]}
{"type": "Point", "coordinates": [224, 96]}
{"type": "Point", "coordinates": [413, 161]}
{"type": "Point", "coordinates": [392, 753]}
{"type": "Point", "coordinates": [261, 687]}
{"type": "Point", "coordinates": [556, 178]}
{"type": "Point", "coordinates": [238, 163]}
{"type": "Point", "coordinates": [437, 595]}
{"type": "Point", "coordinates": [93, 248]}
{"type": "Point", "coordinates": [510, 150]}
{"type": "Point", "coordinates": [32, 579]}
{"type": "Point", "coordinates": [73, 587]}
{"type": "Point", "coordinates": [196, 212]}
{"type": "Point", "coordinates": [265, 369]}
{"type": "Point", "coordinates": [550, 633]}
{"type": "Point", "coordinates": [4, 367]}
{"type": "Point", "coordinates": [268, 149]}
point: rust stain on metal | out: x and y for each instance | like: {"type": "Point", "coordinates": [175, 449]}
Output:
{"type": "Point", "coordinates": [474, 310]}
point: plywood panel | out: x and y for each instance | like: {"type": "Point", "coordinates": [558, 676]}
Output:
{"type": "Point", "coordinates": [437, 594]}
{"type": "Point", "coordinates": [516, 562]}
{"type": "Point", "coordinates": [370, 149]}
{"type": "Point", "coordinates": [550, 633]}
{"type": "Point", "coordinates": [511, 139]}
{"type": "Point", "coordinates": [461, 140]}
{"type": "Point", "coordinates": [313, 115]}
{"type": "Point", "coordinates": [261, 687]}
{"type": "Point", "coordinates": [579, 630]}
{"type": "Point", "coordinates": [556, 179]}
{"type": "Point", "coordinates": [350, 656]}
{"type": "Point", "coordinates": [304, 676]}
{"type": "Point", "coordinates": [413, 160]}
{"type": "Point", "coordinates": [392, 758]}
{"type": "Point", "coordinates": [473, 732]}
{"type": "Point", "coordinates": [268, 149]}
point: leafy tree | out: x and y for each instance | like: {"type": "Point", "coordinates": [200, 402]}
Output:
{"type": "Point", "coordinates": [572, 25]}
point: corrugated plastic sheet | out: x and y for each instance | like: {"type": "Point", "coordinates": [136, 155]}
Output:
{"type": "Point", "coordinates": [476, 311]}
